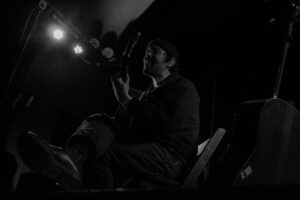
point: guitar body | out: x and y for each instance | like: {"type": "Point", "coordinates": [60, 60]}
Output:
{"type": "Point", "coordinates": [275, 159]}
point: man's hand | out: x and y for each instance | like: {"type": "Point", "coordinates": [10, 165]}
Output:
{"type": "Point", "coordinates": [121, 89]}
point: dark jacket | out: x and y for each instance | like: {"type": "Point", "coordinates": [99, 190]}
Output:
{"type": "Point", "coordinates": [168, 115]}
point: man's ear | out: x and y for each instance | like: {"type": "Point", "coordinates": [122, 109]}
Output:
{"type": "Point", "coordinates": [172, 62]}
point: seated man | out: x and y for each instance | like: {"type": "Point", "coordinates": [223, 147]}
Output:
{"type": "Point", "coordinates": [153, 132]}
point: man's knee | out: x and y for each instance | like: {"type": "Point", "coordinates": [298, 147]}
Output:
{"type": "Point", "coordinates": [95, 132]}
{"type": "Point", "coordinates": [97, 122]}
{"type": "Point", "coordinates": [100, 116]}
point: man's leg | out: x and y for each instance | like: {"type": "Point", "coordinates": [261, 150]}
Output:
{"type": "Point", "coordinates": [64, 165]}
{"type": "Point", "coordinates": [93, 136]}
{"type": "Point", "coordinates": [122, 161]}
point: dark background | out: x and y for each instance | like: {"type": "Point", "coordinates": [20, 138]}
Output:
{"type": "Point", "coordinates": [230, 50]}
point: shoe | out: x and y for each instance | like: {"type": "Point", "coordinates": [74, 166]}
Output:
{"type": "Point", "coordinates": [48, 160]}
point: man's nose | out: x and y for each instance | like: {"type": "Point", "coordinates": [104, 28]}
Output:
{"type": "Point", "coordinates": [148, 54]}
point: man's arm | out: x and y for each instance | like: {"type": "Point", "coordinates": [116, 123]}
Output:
{"type": "Point", "coordinates": [135, 93]}
{"type": "Point", "coordinates": [178, 103]}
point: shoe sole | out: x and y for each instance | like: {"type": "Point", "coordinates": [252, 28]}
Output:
{"type": "Point", "coordinates": [33, 152]}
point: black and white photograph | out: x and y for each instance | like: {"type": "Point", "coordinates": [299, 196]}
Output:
{"type": "Point", "coordinates": [150, 99]}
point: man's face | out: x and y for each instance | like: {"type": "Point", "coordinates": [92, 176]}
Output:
{"type": "Point", "coordinates": [155, 61]}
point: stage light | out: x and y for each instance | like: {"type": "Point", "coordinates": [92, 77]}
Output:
{"type": "Point", "coordinates": [108, 52]}
{"type": "Point", "coordinates": [78, 49]}
{"type": "Point", "coordinates": [94, 42]}
{"type": "Point", "coordinates": [58, 34]}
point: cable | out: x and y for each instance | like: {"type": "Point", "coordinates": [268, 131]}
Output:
{"type": "Point", "coordinates": [21, 50]}
{"type": "Point", "coordinates": [24, 30]}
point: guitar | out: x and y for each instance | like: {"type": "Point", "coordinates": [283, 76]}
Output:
{"type": "Point", "coordinates": [124, 64]}
{"type": "Point", "coordinates": [275, 158]}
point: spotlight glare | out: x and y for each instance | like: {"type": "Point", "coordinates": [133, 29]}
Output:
{"type": "Point", "coordinates": [58, 34]}
{"type": "Point", "coordinates": [78, 49]}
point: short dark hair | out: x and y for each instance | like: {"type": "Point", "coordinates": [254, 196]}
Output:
{"type": "Point", "coordinates": [169, 48]}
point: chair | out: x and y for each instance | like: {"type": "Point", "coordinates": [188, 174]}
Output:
{"type": "Point", "coordinates": [204, 152]}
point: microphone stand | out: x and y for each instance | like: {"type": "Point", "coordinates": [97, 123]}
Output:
{"type": "Point", "coordinates": [287, 44]}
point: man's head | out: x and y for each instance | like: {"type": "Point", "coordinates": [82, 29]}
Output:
{"type": "Point", "coordinates": [161, 57]}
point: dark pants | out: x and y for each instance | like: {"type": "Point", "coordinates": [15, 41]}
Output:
{"type": "Point", "coordinates": [112, 162]}
{"type": "Point", "coordinates": [7, 171]}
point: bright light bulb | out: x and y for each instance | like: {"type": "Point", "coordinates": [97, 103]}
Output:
{"type": "Point", "coordinates": [78, 49]}
{"type": "Point", "coordinates": [58, 34]}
